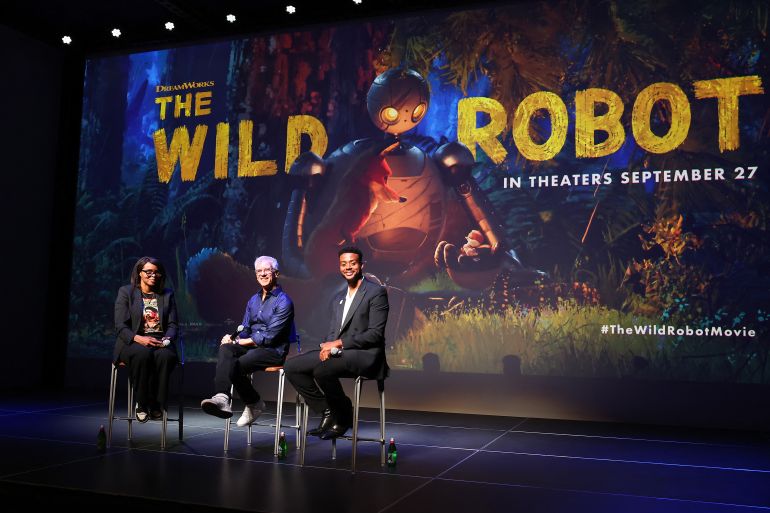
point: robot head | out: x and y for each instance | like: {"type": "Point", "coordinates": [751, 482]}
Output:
{"type": "Point", "coordinates": [398, 100]}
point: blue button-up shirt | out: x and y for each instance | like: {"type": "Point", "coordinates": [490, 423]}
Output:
{"type": "Point", "coordinates": [270, 323]}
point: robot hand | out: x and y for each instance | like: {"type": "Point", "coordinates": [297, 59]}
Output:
{"type": "Point", "coordinates": [474, 265]}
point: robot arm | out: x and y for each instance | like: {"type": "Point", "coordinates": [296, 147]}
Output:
{"type": "Point", "coordinates": [477, 262]}
{"type": "Point", "coordinates": [304, 172]}
{"type": "Point", "coordinates": [456, 162]}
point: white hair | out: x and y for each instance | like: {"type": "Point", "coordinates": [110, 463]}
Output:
{"type": "Point", "coordinates": [268, 259]}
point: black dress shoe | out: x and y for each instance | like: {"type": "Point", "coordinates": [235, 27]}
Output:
{"type": "Point", "coordinates": [341, 425]}
{"type": "Point", "coordinates": [337, 430]}
{"type": "Point", "coordinates": [327, 421]}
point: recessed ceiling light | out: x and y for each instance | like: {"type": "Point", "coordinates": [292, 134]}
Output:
{"type": "Point", "coordinates": [230, 18]}
{"type": "Point", "coordinates": [169, 25]}
{"type": "Point", "coordinates": [115, 32]}
{"type": "Point", "coordinates": [291, 9]}
{"type": "Point", "coordinates": [66, 40]}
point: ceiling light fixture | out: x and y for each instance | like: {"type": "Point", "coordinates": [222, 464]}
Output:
{"type": "Point", "coordinates": [169, 25]}
{"type": "Point", "coordinates": [230, 18]}
{"type": "Point", "coordinates": [66, 40]}
{"type": "Point", "coordinates": [291, 9]}
{"type": "Point", "coordinates": [115, 32]}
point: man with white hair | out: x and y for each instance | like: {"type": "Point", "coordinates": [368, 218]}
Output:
{"type": "Point", "coordinates": [268, 329]}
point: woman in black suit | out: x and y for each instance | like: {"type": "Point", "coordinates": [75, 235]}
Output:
{"type": "Point", "coordinates": [146, 326]}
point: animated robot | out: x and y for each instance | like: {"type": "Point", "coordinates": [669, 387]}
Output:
{"type": "Point", "coordinates": [393, 200]}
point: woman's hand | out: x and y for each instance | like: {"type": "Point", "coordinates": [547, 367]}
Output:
{"type": "Point", "coordinates": [146, 341]}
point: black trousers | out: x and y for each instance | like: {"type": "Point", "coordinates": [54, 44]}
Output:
{"type": "Point", "coordinates": [235, 362]}
{"type": "Point", "coordinates": [318, 382]}
{"type": "Point", "coordinates": [150, 369]}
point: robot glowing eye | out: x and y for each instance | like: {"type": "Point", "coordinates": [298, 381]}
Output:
{"type": "Point", "coordinates": [389, 115]}
{"type": "Point", "coordinates": [418, 112]}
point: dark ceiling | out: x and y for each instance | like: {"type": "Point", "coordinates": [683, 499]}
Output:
{"type": "Point", "coordinates": [141, 22]}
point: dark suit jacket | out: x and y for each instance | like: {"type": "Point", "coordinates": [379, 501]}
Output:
{"type": "Point", "coordinates": [129, 312]}
{"type": "Point", "coordinates": [363, 331]}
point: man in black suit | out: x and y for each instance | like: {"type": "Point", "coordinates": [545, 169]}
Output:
{"type": "Point", "coordinates": [355, 346]}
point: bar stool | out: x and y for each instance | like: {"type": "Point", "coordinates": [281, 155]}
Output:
{"type": "Point", "coordinates": [279, 413]}
{"type": "Point", "coordinates": [354, 438]}
{"type": "Point", "coordinates": [131, 407]}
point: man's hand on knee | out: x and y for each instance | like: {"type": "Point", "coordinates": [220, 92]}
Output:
{"type": "Point", "coordinates": [326, 348]}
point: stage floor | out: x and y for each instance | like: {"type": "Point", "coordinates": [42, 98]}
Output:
{"type": "Point", "coordinates": [447, 463]}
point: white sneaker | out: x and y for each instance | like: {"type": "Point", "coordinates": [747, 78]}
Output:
{"type": "Point", "coordinates": [141, 414]}
{"type": "Point", "coordinates": [218, 406]}
{"type": "Point", "coordinates": [250, 413]}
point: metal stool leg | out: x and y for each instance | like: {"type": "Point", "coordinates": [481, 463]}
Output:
{"type": "Point", "coordinates": [180, 418]}
{"type": "Point", "coordinates": [227, 434]}
{"type": "Point", "coordinates": [131, 409]}
{"type": "Point", "coordinates": [298, 419]}
{"type": "Point", "coordinates": [227, 423]}
{"type": "Point", "coordinates": [381, 389]}
{"type": "Point", "coordinates": [303, 433]}
{"type": "Point", "coordinates": [248, 428]}
{"type": "Point", "coordinates": [163, 427]}
{"type": "Point", "coordinates": [111, 408]}
{"type": "Point", "coordinates": [356, 402]}
{"type": "Point", "coordinates": [181, 402]}
{"type": "Point", "coordinates": [279, 410]}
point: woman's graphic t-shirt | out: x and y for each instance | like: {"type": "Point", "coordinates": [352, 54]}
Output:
{"type": "Point", "coordinates": [151, 324]}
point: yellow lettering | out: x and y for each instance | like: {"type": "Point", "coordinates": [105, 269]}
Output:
{"type": "Point", "coordinates": [727, 91]}
{"type": "Point", "coordinates": [189, 156]}
{"type": "Point", "coordinates": [179, 105]}
{"type": "Point", "coordinates": [162, 101]}
{"type": "Point", "coordinates": [309, 125]}
{"type": "Point", "coordinates": [587, 123]}
{"type": "Point", "coordinates": [680, 117]}
{"type": "Point", "coordinates": [221, 150]}
{"type": "Point", "coordinates": [202, 102]}
{"type": "Point", "coordinates": [559, 121]}
{"type": "Point", "coordinates": [245, 165]}
{"type": "Point", "coordinates": [485, 136]}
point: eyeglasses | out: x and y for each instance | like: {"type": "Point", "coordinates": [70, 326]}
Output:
{"type": "Point", "coordinates": [150, 272]}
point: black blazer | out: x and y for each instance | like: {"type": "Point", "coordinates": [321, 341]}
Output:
{"type": "Point", "coordinates": [129, 312]}
{"type": "Point", "coordinates": [363, 331]}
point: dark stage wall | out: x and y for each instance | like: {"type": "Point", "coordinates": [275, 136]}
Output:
{"type": "Point", "coordinates": [30, 89]}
